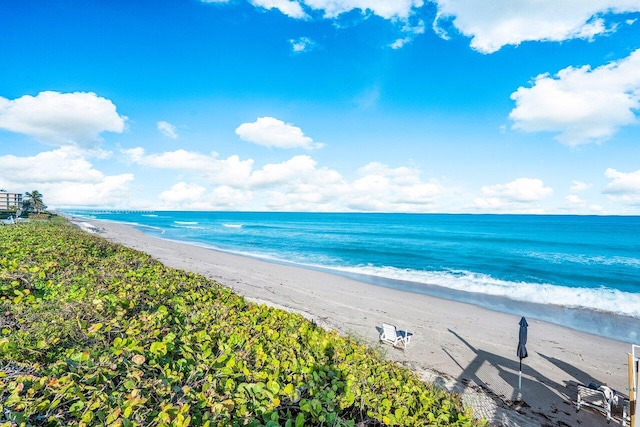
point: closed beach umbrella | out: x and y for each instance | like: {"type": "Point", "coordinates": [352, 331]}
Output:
{"type": "Point", "coordinates": [522, 347]}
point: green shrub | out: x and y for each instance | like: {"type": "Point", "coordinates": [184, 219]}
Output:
{"type": "Point", "coordinates": [94, 333]}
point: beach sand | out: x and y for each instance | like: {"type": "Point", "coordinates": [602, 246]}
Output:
{"type": "Point", "coordinates": [462, 347]}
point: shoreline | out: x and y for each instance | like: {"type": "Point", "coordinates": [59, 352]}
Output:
{"type": "Point", "coordinates": [602, 323]}
{"type": "Point", "coordinates": [463, 347]}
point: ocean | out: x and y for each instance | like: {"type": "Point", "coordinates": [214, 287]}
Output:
{"type": "Point", "coordinates": [582, 272]}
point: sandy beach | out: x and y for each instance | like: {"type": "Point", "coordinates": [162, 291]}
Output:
{"type": "Point", "coordinates": [464, 348]}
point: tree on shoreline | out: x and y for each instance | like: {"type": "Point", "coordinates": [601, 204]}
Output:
{"type": "Point", "coordinates": [34, 202]}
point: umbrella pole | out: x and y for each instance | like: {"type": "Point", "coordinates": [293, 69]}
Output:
{"type": "Point", "coordinates": [520, 375]}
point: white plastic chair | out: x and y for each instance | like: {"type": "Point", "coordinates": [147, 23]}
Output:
{"type": "Point", "coordinates": [394, 337]}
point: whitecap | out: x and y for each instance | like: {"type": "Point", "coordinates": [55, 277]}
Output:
{"type": "Point", "coordinates": [599, 299]}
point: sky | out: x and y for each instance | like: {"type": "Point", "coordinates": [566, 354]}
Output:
{"type": "Point", "coordinates": [447, 106]}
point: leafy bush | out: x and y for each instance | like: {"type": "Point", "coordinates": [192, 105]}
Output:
{"type": "Point", "coordinates": [93, 333]}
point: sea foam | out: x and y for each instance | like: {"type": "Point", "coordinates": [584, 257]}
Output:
{"type": "Point", "coordinates": [599, 299]}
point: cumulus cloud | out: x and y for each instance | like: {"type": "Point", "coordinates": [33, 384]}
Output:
{"type": "Point", "coordinates": [623, 182]}
{"type": "Point", "coordinates": [582, 104]}
{"type": "Point", "coordinates": [190, 196]}
{"type": "Point", "coordinates": [290, 8]}
{"type": "Point", "coordinates": [624, 187]}
{"type": "Point", "coordinates": [112, 191]}
{"type": "Point", "coordinates": [231, 170]}
{"type": "Point", "coordinates": [575, 201]}
{"type": "Point", "coordinates": [66, 164]}
{"type": "Point", "coordinates": [182, 194]}
{"type": "Point", "coordinates": [386, 9]}
{"type": "Point", "coordinates": [577, 186]}
{"type": "Point", "coordinates": [76, 118]}
{"type": "Point", "coordinates": [382, 188]}
{"type": "Point", "coordinates": [301, 44]}
{"type": "Point", "coordinates": [492, 24]}
{"type": "Point", "coordinates": [167, 129]}
{"type": "Point", "coordinates": [296, 184]}
{"type": "Point", "coordinates": [271, 132]}
{"type": "Point", "coordinates": [396, 9]}
{"type": "Point", "coordinates": [519, 194]}
{"type": "Point", "coordinates": [521, 190]}
{"type": "Point", "coordinates": [65, 177]}
{"type": "Point", "coordinates": [299, 184]}
{"type": "Point", "coordinates": [296, 168]}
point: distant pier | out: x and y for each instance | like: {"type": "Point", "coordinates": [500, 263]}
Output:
{"type": "Point", "coordinates": [108, 211]}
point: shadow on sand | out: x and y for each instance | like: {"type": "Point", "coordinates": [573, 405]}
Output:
{"type": "Point", "coordinates": [540, 398]}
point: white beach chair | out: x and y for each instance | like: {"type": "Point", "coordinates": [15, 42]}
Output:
{"type": "Point", "coordinates": [394, 337]}
{"type": "Point", "coordinates": [600, 399]}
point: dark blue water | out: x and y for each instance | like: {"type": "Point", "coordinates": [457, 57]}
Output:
{"type": "Point", "coordinates": [556, 267]}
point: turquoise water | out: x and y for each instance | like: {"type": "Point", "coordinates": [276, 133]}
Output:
{"type": "Point", "coordinates": [581, 271]}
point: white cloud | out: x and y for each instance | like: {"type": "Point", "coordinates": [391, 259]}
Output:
{"type": "Point", "coordinates": [271, 132]}
{"type": "Point", "coordinates": [381, 188]}
{"type": "Point", "coordinates": [66, 164]}
{"type": "Point", "coordinates": [189, 196]}
{"type": "Point", "coordinates": [411, 32]}
{"type": "Point", "coordinates": [56, 118]}
{"type": "Point", "coordinates": [522, 190]}
{"type": "Point", "coordinates": [577, 186]}
{"type": "Point", "coordinates": [296, 184]}
{"type": "Point", "coordinates": [624, 187]}
{"type": "Point", "coordinates": [399, 43]}
{"type": "Point", "coordinates": [290, 8]}
{"type": "Point", "coordinates": [167, 129]}
{"type": "Point", "coordinates": [302, 44]}
{"type": "Point", "coordinates": [582, 104]}
{"type": "Point", "coordinates": [111, 191]}
{"type": "Point", "coordinates": [230, 171]}
{"type": "Point", "coordinates": [134, 155]}
{"type": "Point", "coordinates": [519, 194]}
{"type": "Point", "coordinates": [225, 197]}
{"type": "Point", "coordinates": [396, 9]}
{"type": "Point", "coordinates": [383, 8]}
{"type": "Point", "coordinates": [296, 168]}
{"type": "Point", "coordinates": [623, 182]}
{"type": "Point", "coordinates": [492, 24]}
{"type": "Point", "coordinates": [575, 201]}
{"type": "Point", "coordinates": [182, 193]}
{"type": "Point", "coordinates": [65, 177]}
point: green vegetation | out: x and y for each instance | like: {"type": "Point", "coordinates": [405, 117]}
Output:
{"type": "Point", "coordinates": [33, 202]}
{"type": "Point", "coordinates": [93, 333]}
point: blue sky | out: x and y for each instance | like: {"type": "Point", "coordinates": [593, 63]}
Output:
{"type": "Point", "coordinates": [494, 106]}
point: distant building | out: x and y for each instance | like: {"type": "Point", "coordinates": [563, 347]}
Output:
{"type": "Point", "coordinates": [10, 200]}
